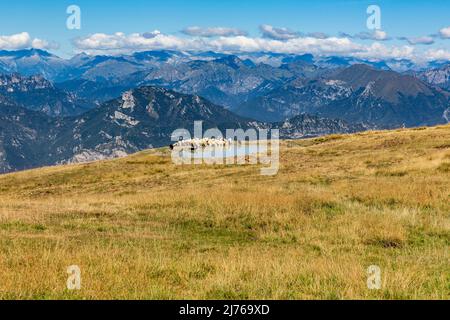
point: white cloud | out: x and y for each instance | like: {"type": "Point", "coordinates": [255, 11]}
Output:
{"type": "Point", "coordinates": [271, 32]}
{"type": "Point", "coordinates": [377, 35]}
{"type": "Point", "coordinates": [23, 41]}
{"type": "Point", "coordinates": [380, 51]}
{"type": "Point", "coordinates": [15, 41]}
{"type": "Point", "coordinates": [213, 32]}
{"type": "Point", "coordinates": [274, 33]}
{"type": "Point", "coordinates": [318, 35]}
{"type": "Point", "coordinates": [437, 54]}
{"type": "Point", "coordinates": [425, 40]}
{"type": "Point", "coordinates": [445, 33]}
{"type": "Point", "coordinates": [151, 35]}
{"type": "Point", "coordinates": [229, 40]}
{"type": "Point", "coordinates": [380, 35]}
{"type": "Point", "coordinates": [44, 45]}
{"type": "Point", "coordinates": [120, 42]}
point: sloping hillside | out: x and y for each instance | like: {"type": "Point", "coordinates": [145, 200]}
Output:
{"type": "Point", "coordinates": [141, 227]}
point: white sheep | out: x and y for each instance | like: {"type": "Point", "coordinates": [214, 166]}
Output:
{"type": "Point", "coordinates": [196, 143]}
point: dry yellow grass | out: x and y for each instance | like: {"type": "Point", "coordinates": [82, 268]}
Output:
{"type": "Point", "coordinates": [143, 228]}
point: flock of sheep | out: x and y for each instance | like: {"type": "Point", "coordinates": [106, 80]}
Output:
{"type": "Point", "coordinates": [196, 143]}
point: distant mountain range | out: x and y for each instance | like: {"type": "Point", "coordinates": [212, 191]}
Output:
{"type": "Point", "coordinates": [32, 62]}
{"type": "Point", "coordinates": [438, 76]}
{"type": "Point", "coordinates": [55, 110]}
{"type": "Point", "coordinates": [24, 137]}
{"type": "Point", "coordinates": [38, 94]}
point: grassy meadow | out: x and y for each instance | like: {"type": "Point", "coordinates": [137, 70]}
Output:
{"type": "Point", "coordinates": [142, 228]}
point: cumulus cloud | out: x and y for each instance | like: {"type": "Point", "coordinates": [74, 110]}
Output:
{"type": "Point", "coordinates": [377, 35]}
{"type": "Point", "coordinates": [445, 33]}
{"type": "Point", "coordinates": [274, 33]}
{"type": "Point", "coordinates": [425, 40]}
{"type": "Point", "coordinates": [24, 41]}
{"type": "Point", "coordinates": [213, 32]}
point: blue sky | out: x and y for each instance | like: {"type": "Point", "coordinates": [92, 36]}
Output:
{"type": "Point", "coordinates": [46, 20]}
